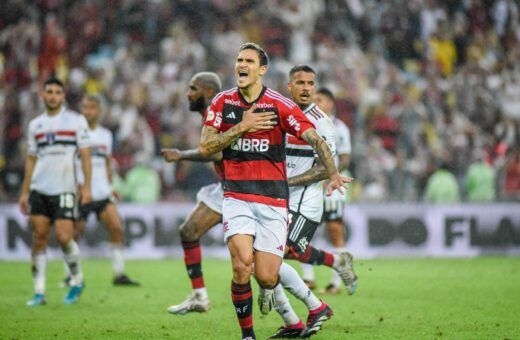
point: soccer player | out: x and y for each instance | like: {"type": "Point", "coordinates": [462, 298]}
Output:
{"type": "Point", "coordinates": [306, 175]}
{"type": "Point", "coordinates": [208, 211]}
{"type": "Point", "coordinates": [103, 196]}
{"type": "Point", "coordinates": [248, 123]}
{"type": "Point", "coordinates": [334, 204]}
{"type": "Point", "coordinates": [49, 185]}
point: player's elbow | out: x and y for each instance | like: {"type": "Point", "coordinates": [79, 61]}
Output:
{"type": "Point", "coordinates": [204, 150]}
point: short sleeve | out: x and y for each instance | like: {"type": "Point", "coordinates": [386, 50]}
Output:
{"type": "Point", "coordinates": [213, 116]}
{"type": "Point", "coordinates": [82, 134]}
{"type": "Point", "coordinates": [325, 129]}
{"type": "Point", "coordinates": [293, 120]}
{"type": "Point", "coordinates": [32, 148]}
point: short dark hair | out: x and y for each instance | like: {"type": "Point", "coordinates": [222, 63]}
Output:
{"type": "Point", "coordinates": [301, 68]}
{"type": "Point", "coordinates": [326, 92]}
{"type": "Point", "coordinates": [54, 81]}
{"type": "Point", "coordinates": [262, 54]}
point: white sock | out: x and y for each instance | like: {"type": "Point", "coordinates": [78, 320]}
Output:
{"type": "Point", "coordinates": [284, 308]}
{"type": "Point", "coordinates": [118, 261]}
{"type": "Point", "coordinates": [307, 271]}
{"type": "Point", "coordinates": [291, 281]}
{"type": "Point", "coordinates": [71, 256]}
{"type": "Point", "coordinates": [66, 269]}
{"type": "Point", "coordinates": [39, 268]}
{"type": "Point", "coordinates": [202, 293]}
{"type": "Point", "coordinates": [335, 279]}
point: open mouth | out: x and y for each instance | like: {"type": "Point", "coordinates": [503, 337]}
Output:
{"type": "Point", "coordinates": [305, 96]}
{"type": "Point", "coordinates": [242, 75]}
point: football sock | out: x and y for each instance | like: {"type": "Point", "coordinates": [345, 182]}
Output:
{"type": "Point", "coordinates": [307, 271]}
{"type": "Point", "coordinates": [294, 284]}
{"type": "Point", "coordinates": [39, 267]}
{"type": "Point", "coordinates": [242, 297]}
{"type": "Point", "coordinates": [335, 278]}
{"type": "Point", "coordinates": [313, 256]}
{"type": "Point", "coordinates": [284, 308]}
{"type": "Point", "coordinates": [118, 262]}
{"type": "Point", "coordinates": [71, 256]}
{"type": "Point", "coordinates": [192, 260]}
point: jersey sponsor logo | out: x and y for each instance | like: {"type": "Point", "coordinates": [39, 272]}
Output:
{"type": "Point", "coordinates": [294, 123]}
{"type": "Point", "coordinates": [231, 115]}
{"type": "Point", "coordinates": [264, 105]}
{"type": "Point", "coordinates": [232, 102]}
{"type": "Point", "coordinates": [250, 145]}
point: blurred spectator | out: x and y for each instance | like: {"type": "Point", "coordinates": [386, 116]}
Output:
{"type": "Point", "coordinates": [142, 183]}
{"type": "Point", "coordinates": [480, 180]}
{"type": "Point", "coordinates": [442, 187]}
{"type": "Point", "coordinates": [510, 182]}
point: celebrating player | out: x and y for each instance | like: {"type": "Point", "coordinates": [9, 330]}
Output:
{"type": "Point", "coordinates": [208, 211]}
{"type": "Point", "coordinates": [49, 186]}
{"type": "Point", "coordinates": [248, 124]}
{"type": "Point", "coordinates": [103, 196]}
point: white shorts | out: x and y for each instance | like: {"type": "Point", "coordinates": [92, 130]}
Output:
{"type": "Point", "coordinates": [266, 223]}
{"type": "Point", "coordinates": [212, 195]}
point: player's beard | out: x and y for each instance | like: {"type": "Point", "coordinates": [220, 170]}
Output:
{"type": "Point", "coordinates": [198, 105]}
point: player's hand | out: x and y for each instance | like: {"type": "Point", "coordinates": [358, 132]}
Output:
{"type": "Point", "coordinates": [171, 155]}
{"type": "Point", "coordinates": [117, 195]}
{"type": "Point", "coordinates": [253, 122]}
{"type": "Point", "coordinates": [24, 204]}
{"type": "Point", "coordinates": [339, 183]}
{"type": "Point", "coordinates": [85, 195]}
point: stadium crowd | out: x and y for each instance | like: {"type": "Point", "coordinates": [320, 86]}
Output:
{"type": "Point", "coordinates": [430, 89]}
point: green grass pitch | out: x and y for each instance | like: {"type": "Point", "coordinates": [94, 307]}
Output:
{"type": "Point", "coordinates": [396, 299]}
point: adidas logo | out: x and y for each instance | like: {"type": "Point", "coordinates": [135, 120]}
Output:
{"type": "Point", "coordinates": [231, 115]}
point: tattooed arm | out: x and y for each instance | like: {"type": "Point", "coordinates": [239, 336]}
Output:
{"type": "Point", "coordinates": [315, 174]}
{"type": "Point", "coordinates": [337, 182]}
{"type": "Point", "coordinates": [212, 141]}
{"type": "Point", "coordinates": [322, 149]}
{"type": "Point", "coordinates": [173, 155]}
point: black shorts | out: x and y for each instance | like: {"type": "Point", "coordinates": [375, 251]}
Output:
{"type": "Point", "coordinates": [301, 231]}
{"type": "Point", "coordinates": [53, 206]}
{"type": "Point", "coordinates": [96, 207]}
{"type": "Point", "coordinates": [333, 210]}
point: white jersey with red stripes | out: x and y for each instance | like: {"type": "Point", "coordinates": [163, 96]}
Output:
{"type": "Point", "coordinates": [308, 199]}
{"type": "Point", "coordinates": [54, 140]}
{"type": "Point", "coordinates": [343, 145]}
{"type": "Point", "coordinates": [100, 151]}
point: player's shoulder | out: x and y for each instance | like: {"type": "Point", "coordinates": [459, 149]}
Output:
{"type": "Point", "coordinates": [37, 120]}
{"type": "Point", "coordinates": [315, 112]}
{"type": "Point", "coordinates": [104, 131]}
{"type": "Point", "coordinates": [227, 94]}
{"type": "Point", "coordinates": [278, 98]}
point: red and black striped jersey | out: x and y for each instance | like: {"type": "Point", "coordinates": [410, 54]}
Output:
{"type": "Point", "coordinates": [254, 164]}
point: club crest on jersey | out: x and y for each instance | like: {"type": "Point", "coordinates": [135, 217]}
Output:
{"type": "Point", "coordinates": [250, 145]}
{"type": "Point", "coordinates": [50, 137]}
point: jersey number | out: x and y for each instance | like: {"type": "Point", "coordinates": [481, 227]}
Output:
{"type": "Point", "coordinates": [66, 201]}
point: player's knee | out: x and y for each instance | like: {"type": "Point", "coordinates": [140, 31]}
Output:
{"type": "Point", "coordinates": [267, 279]}
{"type": "Point", "coordinates": [40, 241]}
{"type": "Point", "coordinates": [63, 238]}
{"type": "Point", "coordinates": [242, 271]}
{"type": "Point", "coordinates": [188, 231]}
